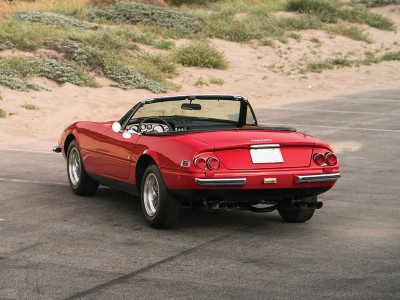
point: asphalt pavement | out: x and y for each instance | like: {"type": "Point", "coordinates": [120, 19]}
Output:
{"type": "Point", "coordinates": [56, 245]}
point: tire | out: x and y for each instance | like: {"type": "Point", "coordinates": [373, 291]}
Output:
{"type": "Point", "coordinates": [79, 180]}
{"type": "Point", "coordinates": [160, 208]}
{"type": "Point", "coordinates": [296, 215]}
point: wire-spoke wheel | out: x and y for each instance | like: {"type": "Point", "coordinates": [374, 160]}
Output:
{"type": "Point", "coordinates": [74, 166]}
{"type": "Point", "coordinates": [151, 194]}
{"type": "Point", "coordinates": [160, 208]}
{"type": "Point", "coordinates": [79, 180]}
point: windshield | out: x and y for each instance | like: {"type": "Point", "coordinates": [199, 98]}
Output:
{"type": "Point", "coordinates": [226, 110]}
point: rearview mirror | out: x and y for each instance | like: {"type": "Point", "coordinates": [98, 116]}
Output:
{"type": "Point", "coordinates": [191, 106]}
{"type": "Point", "coordinates": [116, 127]}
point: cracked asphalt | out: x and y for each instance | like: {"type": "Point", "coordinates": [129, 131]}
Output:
{"type": "Point", "coordinates": [56, 245]}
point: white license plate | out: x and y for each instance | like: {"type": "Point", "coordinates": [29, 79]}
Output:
{"type": "Point", "coordinates": [266, 156]}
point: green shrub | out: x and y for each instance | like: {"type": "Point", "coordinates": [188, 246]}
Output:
{"type": "Point", "coordinates": [331, 11]}
{"type": "Point", "coordinates": [15, 81]}
{"type": "Point", "coordinates": [201, 82]}
{"type": "Point", "coordinates": [217, 81]}
{"type": "Point", "coordinates": [200, 54]}
{"type": "Point", "coordinates": [2, 113]}
{"type": "Point", "coordinates": [50, 19]}
{"type": "Point", "coordinates": [298, 23]}
{"type": "Point", "coordinates": [110, 39]}
{"type": "Point", "coordinates": [129, 78]}
{"type": "Point", "coordinates": [136, 13]}
{"type": "Point", "coordinates": [191, 2]}
{"type": "Point", "coordinates": [338, 62]}
{"type": "Point", "coordinates": [388, 56]}
{"type": "Point", "coordinates": [102, 2]}
{"type": "Point", "coordinates": [364, 16]}
{"type": "Point", "coordinates": [294, 36]}
{"type": "Point", "coordinates": [30, 106]}
{"type": "Point", "coordinates": [373, 3]}
{"type": "Point", "coordinates": [228, 28]}
{"type": "Point", "coordinates": [164, 44]}
{"type": "Point", "coordinates": [30, 37]}
{"type": "Point", "coordinates": [267, 42]}
{"type": "Point", "coordinates": [162, 63]}
{"type": "Point", "coordinates": [19, 64]}
{"type": "Point", "coordinates": [350, 31]}
{"type": "Point", "coordinates": [15, 69]}
{"type": "Point", "coordinates": [324, 10]}
{"type": "Point", "coordinates": [6, 45]}
{"type": "Point", "coordinates": [62, 72]}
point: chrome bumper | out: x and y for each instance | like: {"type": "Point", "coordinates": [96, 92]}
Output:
{"type": "Point", "coordinates": [317, 178]}
{"type": "Point", "coordinates": [219, 182]}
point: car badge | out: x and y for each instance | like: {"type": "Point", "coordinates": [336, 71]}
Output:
{"type": "Point", "coordinates": [261, 140]}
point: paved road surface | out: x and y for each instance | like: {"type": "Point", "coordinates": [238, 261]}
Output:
{"type": "Point", "coordinates": [55, 245]}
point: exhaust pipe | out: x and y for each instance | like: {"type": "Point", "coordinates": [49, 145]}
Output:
{"type": "Point", "coordinates": [315, 205]}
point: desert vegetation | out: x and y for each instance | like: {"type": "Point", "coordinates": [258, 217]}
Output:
{"type": "Point", "coordinates": [135, 44]}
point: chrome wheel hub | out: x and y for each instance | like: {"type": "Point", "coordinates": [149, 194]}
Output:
{"type": "Point", "coordinates": [74, 166]}
{"type": "Point", "coordinates": [151, 194]}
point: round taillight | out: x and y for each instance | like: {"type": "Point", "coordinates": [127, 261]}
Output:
{"type": "Point", "coordinates": [213, 163]}
{"type": "Point", "coordinates": [200, 163]}
{"type": "Point", "coordinates": [330, 159]}
{"type": "Point", "coordinates": [319, 159]}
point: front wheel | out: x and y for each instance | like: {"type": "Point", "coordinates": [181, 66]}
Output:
{"type": "Point", "coordinates": [160, 208]}
{"type": "Point", "coordinates": [296, 214]}
{"type": "Point", "coordinates": [79, 180]}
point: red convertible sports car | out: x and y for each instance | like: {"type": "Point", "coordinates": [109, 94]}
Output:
{"type": "Point", "coordinates": [207, 151]}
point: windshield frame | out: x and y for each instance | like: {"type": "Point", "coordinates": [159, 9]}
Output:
{"type": "Point", "coordinates": [245, 106]}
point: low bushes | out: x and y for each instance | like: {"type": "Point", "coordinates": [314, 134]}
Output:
{"type": "Point", "coordinates": [200, 54]}
{"type": "Point", "coordinates": [136, 13]}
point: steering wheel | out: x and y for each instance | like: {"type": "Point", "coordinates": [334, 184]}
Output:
{"type": "Point", "coordinates": [154, 118]}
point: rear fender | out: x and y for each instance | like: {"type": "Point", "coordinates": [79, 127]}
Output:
{"type": "Point", "coordinates": [66, 140]}
{"type": "Point", "coordinates": [148, 157]}
{"type": "Point", "coordinates": [153, 155]}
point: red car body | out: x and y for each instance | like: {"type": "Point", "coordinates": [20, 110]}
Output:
{"type": "Point", "coordinates": [235, 173]}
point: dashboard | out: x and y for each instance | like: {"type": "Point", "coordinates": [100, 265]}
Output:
{"type": "Point", "coordinates": [147, 127]}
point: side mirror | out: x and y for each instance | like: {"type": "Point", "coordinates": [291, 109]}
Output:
{"type": "Point", "coordinates": [116, 127]}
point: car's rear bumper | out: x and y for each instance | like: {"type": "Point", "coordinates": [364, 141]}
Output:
{"type": "Point", "coordinates": [317, 178]}
{"type": "Point", "coordinates": [221, 181]}
{"type": "Point", "coordinates": [256, 185]}
{"type": "Point", "coordinates": [243, 181]}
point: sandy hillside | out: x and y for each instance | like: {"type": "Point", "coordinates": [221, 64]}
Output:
{"type": "Point", "coordinates": [267, 76]}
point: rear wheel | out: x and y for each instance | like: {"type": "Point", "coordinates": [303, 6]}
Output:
{"type": "Point", "coordinates": [79, 180]}
{"type": "Point", "coordinates": [296, 214]}
{"type": "Point", "coordinates": [160, 208]}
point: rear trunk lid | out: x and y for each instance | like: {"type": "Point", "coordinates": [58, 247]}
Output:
{"type": "Point", "coordinates": [259, 149]}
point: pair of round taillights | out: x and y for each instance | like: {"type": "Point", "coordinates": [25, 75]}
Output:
{"type": "Point", "coordinates": [211, 163]}
{"type": "Point", "coordinates": [329, 158]}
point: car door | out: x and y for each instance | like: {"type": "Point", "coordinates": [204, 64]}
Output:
{"type": "Point", "coordinates": [114, 152]}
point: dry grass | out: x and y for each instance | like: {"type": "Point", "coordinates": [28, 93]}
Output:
{"type": "Point", "coordinates": [47, 5]}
